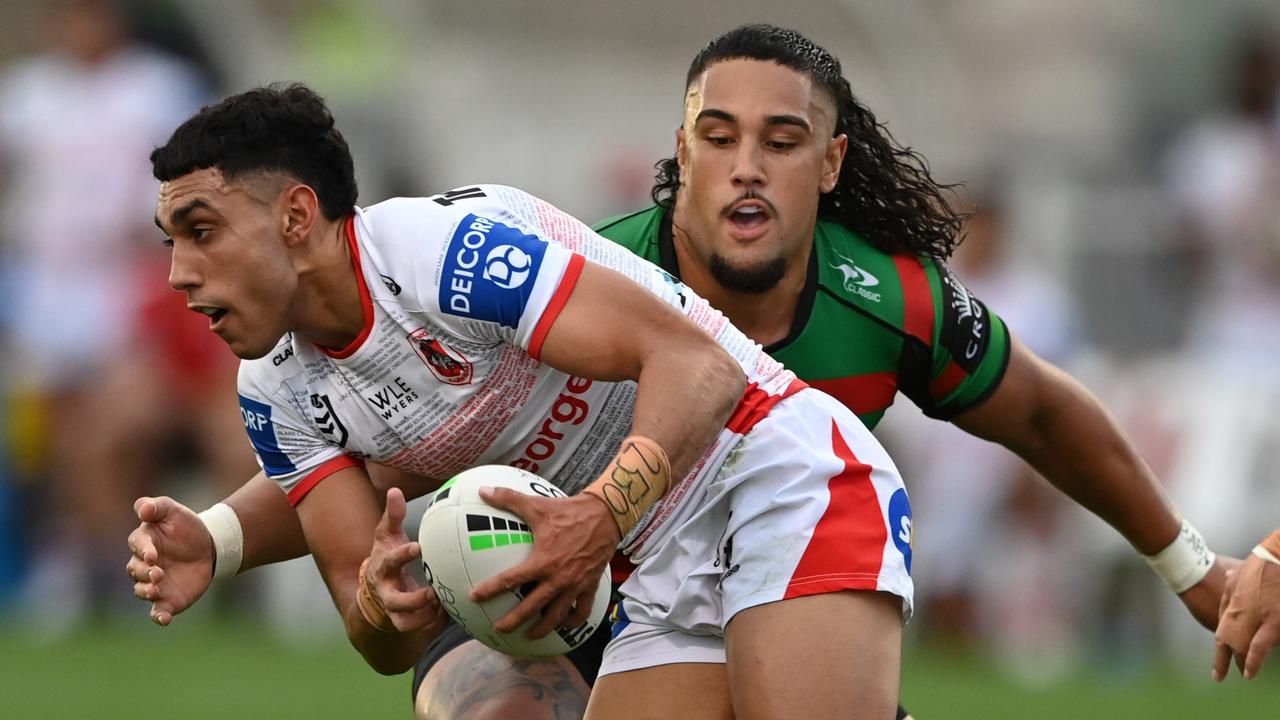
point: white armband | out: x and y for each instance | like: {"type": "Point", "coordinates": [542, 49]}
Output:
{"type": "Point", "coordinates": [228, 539]}
{"type": "Point", "coordinates": [1184, 562]}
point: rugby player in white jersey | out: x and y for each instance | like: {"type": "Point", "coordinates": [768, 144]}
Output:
{"type": "Point", "coordinates": [483, 325]}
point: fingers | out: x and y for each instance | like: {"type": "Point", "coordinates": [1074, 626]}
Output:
{"type": "Point", "coordinates": [412, 601]}
{"type": "Point", "coordinates": [142, 545]}
{"type": "Point", "coordinates": [149, 509]}
{"type": "Point", "coordinates": [521, 504]}
{"type": "Point", "coordinates": [504, 581]}
{"type": "Point", "coordinates": [1221, 661]}
{"type": "Point", "coordinates": [391, 525]}
{"type": "Point", "coordinates": [581, 610]}
{"type": "Point", "coordinates": [1266, 638]}
{"type": "Point", "coordinates": [552, 615]}
{"type": "Point", "coordinates": [389, 563]}
{"type": "Point", "coordinates": [532, 604]}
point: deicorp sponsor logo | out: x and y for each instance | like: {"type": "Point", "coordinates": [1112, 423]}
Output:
{"type": "Point", "coordinates": [489, 270]}
{"type": "Point", "coordinates": [262, 433]}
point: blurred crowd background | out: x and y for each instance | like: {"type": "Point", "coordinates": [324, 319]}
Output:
{"type": "Point", "coordinates": [1124, 157]}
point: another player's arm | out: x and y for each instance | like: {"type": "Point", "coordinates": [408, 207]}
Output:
{"type": "Point", "coordinates": [340, 518]}
{"type": "Point", "coordinates": [1062, 430]}
{"type": "Point", "coordinates": [612, 329]}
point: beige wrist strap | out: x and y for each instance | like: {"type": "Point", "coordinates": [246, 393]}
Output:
{"type": "Point", "coordinates": [370, 606]}
{"type": "Point", "coordinates": [634, 482]}
{"type": "Point", "coordinates": [1269, 549]}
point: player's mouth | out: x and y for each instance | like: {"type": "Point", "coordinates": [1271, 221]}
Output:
{"type": "Point", "coordinates": [214, 313]}
{"type": "Point", "coordinates": [748, 219]}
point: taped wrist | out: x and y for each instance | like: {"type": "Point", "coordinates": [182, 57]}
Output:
{"type": "Point", "coordinates": [228, 539]}
{"type": "Point", "coordinates": [634, 482]}
{"type": "Point", "coordinates": [1269, 549]}
{"type": "Point", "coordinates": [371, 607]}
{"type": "Point", "coordinates": [1185, 561]}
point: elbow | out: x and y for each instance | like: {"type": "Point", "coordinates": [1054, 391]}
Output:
{"type": "Point", "coordinates": [728, 374]}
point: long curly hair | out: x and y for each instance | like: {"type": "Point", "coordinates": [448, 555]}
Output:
{"type": "Point", "coordinates": [885, 192]}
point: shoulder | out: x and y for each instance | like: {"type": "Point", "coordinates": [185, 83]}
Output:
{"type": "Point", "coordinates": [635, 231]}
{"type": "Point", "coordinates": [265, 375]}
{"type": "Point", "coordinates": [860, 275]}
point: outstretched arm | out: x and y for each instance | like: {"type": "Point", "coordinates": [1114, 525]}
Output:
{"type": "Point", "coordinates": [1059, 427]}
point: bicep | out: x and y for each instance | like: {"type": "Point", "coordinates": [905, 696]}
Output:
{"type": "Point", "coordinates": [1014, 413]}
{"type": "Point", "coordinates": [338, 518]}
{"type": "Point", "coordinates": [610, 324]}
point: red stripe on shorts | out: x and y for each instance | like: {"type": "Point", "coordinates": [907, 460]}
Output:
{"type": "Point", "coordinates": [847, 547]}
{"type": "Point", "coordinates": [755, 406]}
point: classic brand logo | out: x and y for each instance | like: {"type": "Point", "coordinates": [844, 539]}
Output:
{"type": "Point", "coordinates": [857, 280]}
{"type": "Point", "coordinates": [449, 366]}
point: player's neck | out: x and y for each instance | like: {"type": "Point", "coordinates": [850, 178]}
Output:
{"type": "Point", "coordinates": [329, 311]}
{"type": "Point", "coordinates": [764, 317]}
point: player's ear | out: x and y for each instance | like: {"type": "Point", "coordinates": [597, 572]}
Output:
{"type": "Point", "coordinates": [682, 149]}
{"type": "Point", "coordinates": [301, 211]}
{"type": "Point", "coordinates": [832, 161]}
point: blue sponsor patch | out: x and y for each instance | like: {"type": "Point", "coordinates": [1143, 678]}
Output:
{"type": "Point", "coordinates": [900, 524]}
{"type": "Point", "coordinates": [257, 422]}
{"type": "Point", "coordinates": [489, 271]}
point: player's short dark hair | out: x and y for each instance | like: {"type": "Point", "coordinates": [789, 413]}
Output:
{"type": "Point", "coordinates": [279, 128]}
{"type": "Point", "coordinates": [885, 191]}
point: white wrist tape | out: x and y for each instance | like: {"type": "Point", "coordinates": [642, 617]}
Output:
{"type": "Point", "coordinates": [228, 539]}
{"type": "Point", "coordinates": [1184, 562]}
{"type": "Point", "coordinates": [1265, 554]}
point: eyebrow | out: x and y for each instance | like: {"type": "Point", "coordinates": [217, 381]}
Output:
{"type": "Point", "coordinates": [180, 215]}
{"type": "Point", "coordinates": [715, 114]}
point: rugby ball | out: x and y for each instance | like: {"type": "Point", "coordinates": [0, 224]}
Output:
{"type": "Point", "coordinates": [465, 541]}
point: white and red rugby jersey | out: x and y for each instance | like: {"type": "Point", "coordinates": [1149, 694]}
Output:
{"type": "Point", "coordinates": [459, 291]}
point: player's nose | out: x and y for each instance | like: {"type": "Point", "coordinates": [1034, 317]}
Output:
{"type": "Point", "coordinates": [183, 275]}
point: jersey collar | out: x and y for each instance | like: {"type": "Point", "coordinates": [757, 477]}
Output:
{"type": "Point", "coordinates": [668, 260]}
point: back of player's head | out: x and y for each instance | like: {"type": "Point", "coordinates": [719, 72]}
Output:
{"type": "Point", "coordinates": [885, 191]}
{"type": "Point", "coordinates": [285, 128]}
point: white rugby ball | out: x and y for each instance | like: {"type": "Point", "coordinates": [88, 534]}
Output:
{"type": "Point", "coordinates": [465, 541]}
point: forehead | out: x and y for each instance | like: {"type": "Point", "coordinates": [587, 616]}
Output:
{"type": "Point", "coordinates": [206, 184]}
{"type": "Point", "coordinates": [750, 88]}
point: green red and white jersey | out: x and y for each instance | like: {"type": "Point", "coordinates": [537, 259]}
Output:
{"type": "Point", "coordinates": [870, 324]}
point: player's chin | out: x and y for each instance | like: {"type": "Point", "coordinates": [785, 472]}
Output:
{"type": "Point", "coordinates": [249, 348]}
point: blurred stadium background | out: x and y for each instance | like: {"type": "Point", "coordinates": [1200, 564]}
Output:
{"type": "Point", "coordinates": [1126, 155]}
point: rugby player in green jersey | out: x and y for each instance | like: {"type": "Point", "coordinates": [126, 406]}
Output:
{"type": "Point", "coordinates": [790, 209]}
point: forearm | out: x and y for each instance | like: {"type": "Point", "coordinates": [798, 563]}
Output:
{"type": "Point", "coordinates": [388, 653]}
{"type": "Point", "coordinates": [683, 401]}
{"type": "Point", "coordinates": [1078, 447]}
{"type": "Point", "coordinates": [272, 531]}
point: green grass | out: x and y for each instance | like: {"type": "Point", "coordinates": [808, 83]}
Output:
{"type": "Point", "coordinates": [212, 669]}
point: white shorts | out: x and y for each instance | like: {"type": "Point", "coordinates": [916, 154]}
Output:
{"type": "Point", "coordinates": [807, 503]}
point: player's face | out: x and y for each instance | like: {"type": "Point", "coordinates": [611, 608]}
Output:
{"type": "Point", "coordinates": [229, 257]}
{"type": "Point", "coordinates": [756, 152]}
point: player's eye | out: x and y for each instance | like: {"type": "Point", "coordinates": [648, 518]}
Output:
{"type": "Point", "coordinates": [781, 145]}
{"type": "Point", "coordinates": [168, 241]}
{"type": "Point", "coordinates": [719, 140]}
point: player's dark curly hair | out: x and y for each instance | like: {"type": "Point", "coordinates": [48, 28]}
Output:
{"type": "Point", "coordinates": [885, 192]}
{"type": "Point", "coordinates": [279, 128]}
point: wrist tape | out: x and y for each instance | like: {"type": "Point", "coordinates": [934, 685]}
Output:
{"type": "Point", "coordinates": [1184, 562]}
{"type": "Point", "coordinates": [228, 539]}
{"type": "Point", "coordinates": [634, 482]}
{"type": "Point", "coordinates": [1269, 549]}
{"type": "Point", "coordinates": [371, 607]}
